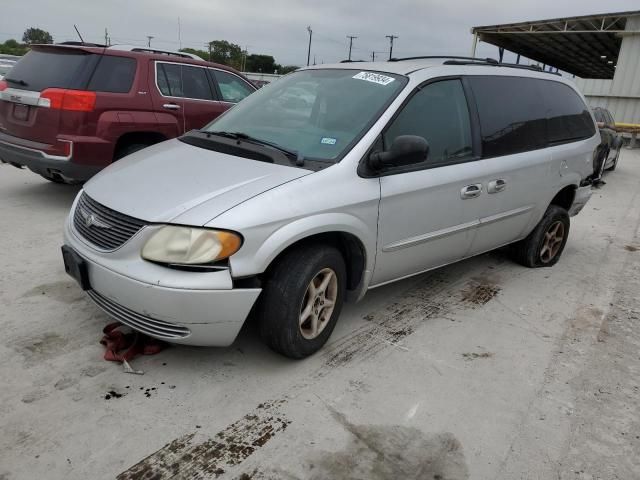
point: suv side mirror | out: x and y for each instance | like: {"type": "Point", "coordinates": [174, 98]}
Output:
{"type": "Point", "coordinates": [405, 150]}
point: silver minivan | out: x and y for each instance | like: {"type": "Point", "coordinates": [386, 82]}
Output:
{"type": "Point", "coordinates": [331, 181]}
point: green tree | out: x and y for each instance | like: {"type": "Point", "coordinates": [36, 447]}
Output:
{"type": "Point", "coordinates": [284, 69]}
{"type": "Point", "coordinates": [36, 35]}
{"type": "Point", "coordinates": [226, 53]}
{"type": "Point", "coordinates": [260, 63]}
{"type": "Point", "coordinates": [12, 47]}
{"type": "Point", "coordinates": [201, 53]}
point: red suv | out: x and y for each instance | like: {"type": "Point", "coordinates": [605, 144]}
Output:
{"type": "Point", "coordinates": [68, 111]}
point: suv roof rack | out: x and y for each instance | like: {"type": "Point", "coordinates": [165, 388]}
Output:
{"type": "Point", "coordinates": [455, 60]}
{"type": "Point", "coordinates": [134, 48]}
{"type": "Point", "coordinates": [82, 44]}
{"type": "Point", "coordinates": [426, 57]}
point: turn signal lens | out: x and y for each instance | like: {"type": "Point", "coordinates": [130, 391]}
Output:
{"type": "Point", "coordinates": [72, 100]}
{"type": "Point", "coordinates": [190, 246]}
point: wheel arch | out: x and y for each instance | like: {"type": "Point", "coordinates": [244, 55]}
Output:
{"type": "Point", "coordinates": [565, 196]}
{"type": "Point", "coordinates": [130, 138]}
{"type": "Point", "coordinates": [348, 234]}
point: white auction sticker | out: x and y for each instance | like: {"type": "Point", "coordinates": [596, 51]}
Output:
{"type": "Point", "coordinates": [374, 77]}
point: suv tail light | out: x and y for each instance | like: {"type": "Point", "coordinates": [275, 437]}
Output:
{"type": "Point", "coordinates": [73, 100]}
{"type": "Point", "coordinates": [3, 85]}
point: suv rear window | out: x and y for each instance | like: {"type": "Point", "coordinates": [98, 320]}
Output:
{"type": "Point", "coordinates": [113, 74]}
{"type": "Point", "coordinates": [569, 117]}
{"type": "Point", "coordinates": [52, 68]}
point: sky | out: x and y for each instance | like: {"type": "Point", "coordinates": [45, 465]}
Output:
{"type": "Point", "coordinates": [279, 27]}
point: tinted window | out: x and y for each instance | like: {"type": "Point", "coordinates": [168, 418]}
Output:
{"type": "Point", "coordinates": [195, 83]}
{"type": "Point", "coordinates": [609, 118]}
{"type": "Point", "coordinates": [569, 117]}
{"type": "Point", "coordinates": [113, 74]}
{"type": "Point", "coordinates": [438, 113]}
{"type": "Point", "coordinates": [169, 81]}
{"type": "Point", "coordinates": [598, 114]}
{"type": "Point", "coordinates": [232, 88]}
{"type": "Point", "coordinates": [512, 114]}
{"type": "Point", "coordinates": [61, 68]}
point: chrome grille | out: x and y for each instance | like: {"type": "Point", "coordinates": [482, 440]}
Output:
{"type": "Point", "coordinates": [101, 226]}
{"type": "Point", "coordinates": [141, 323]}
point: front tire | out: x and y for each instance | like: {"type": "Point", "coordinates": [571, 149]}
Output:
{"type": "Point", "coordinates": [615, 162]}
{"type": "Point", "coordinates": [544, 245]}
{"type": "Point", "coordinates": [302, 300]}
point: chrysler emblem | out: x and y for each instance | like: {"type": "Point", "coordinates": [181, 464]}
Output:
{"type": "Point", "coordinates": [90, 220]}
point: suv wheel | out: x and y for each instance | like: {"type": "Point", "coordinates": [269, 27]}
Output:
{"type": "Point", "coordinates": [615, 162]}
{"type": "Point", "coordinates": [544, 245]}
{"type": "Point", "coordinates": [129, 149]}
{"type": "Point", "coordinates": [302, 300]}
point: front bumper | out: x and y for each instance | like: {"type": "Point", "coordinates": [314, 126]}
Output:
{"type": "Point", "coordinates": [582, 196]}
{"type": "Point", "coordinates": [208, 311]}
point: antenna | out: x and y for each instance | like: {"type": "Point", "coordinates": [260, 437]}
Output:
{"type": "Point", "coordinates": [78, 32]}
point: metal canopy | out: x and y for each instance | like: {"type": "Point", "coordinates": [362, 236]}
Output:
{"type": "Point", "coordinates": [586, 46]}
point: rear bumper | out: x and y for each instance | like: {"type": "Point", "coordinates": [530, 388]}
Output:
{"type": "Point", "coordinates": [582, 196]}
{"type": "Point", "coordinates": [35, 156]}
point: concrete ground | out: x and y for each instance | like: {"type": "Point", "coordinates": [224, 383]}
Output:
{"type": "Point", "coordinates": [480, 370]}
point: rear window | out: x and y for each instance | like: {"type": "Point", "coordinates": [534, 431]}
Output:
{"type": "Point", "coordinates": [519, 114]}
{"type": "Point", "coordinates": [113, 74]}
{"type": "Point", "coordinates": [569, 117]}
{"type": "Point", "coordinates": [52, 68]}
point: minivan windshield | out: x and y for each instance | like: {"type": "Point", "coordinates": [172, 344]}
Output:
{"type": "Point", "coordinates": [318, 114]}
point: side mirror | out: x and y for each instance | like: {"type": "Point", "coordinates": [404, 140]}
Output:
{"type": "Point", "coordinates": [405, 150]}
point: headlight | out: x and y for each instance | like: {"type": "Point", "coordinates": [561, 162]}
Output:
{"type": "Point", "coordinates": [190, 246]}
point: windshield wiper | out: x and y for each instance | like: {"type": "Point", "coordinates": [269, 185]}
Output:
{"type": "Point", "coordinates": [243, 136]}
{"type": "Point", "coordinates": [19, 82]}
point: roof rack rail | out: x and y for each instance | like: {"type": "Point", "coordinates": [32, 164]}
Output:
{"type": "Point", "coordinates": [426, 57]}
{"type": "Point", "coordinates": [134, 48]}
{"type": "Point", "coordinates": [535, 68]}
{"type": "Point", "coordinates": [82, 44]}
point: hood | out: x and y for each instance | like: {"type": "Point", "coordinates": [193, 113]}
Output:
{"type": "Point", "coordinates": [179, 183]}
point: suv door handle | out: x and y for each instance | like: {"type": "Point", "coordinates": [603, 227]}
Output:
{"type": "Point", "coordinates": [495, 186]}
{"type": "Point", "coordinates": [171, 106]}
{"type": "Point", "coordinates": [471, 191]}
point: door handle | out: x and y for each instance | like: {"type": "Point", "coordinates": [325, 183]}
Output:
{"type": "Point", "coordinates": [171, 106]}
{"type": "Point", "coordinates": [471, 191]}
{"type": "Point", "coordinates": [495, 186]}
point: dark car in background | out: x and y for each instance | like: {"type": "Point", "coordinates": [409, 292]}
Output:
{"type": "Point", "coordinates": [67, 111]}
{"type": "Point", "coordinates": [609, 150]}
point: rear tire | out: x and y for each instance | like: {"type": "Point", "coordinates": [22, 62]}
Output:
{"type": "Point", "coordinates": [615, 162]}
{"type": "Point", "coordinates": [129, 149]}
{"type": "Point", "coordinates": [544, 245]}
{"type": "Point", "coordinates": [296, 316]}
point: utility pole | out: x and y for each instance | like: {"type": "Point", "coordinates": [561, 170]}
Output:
{"type": "Point", "coordinates": [309, 51]}
{"type": "Point", "coordinates": [209, 50]}
{"type": "Point", "coordinates": [391, 38]}
{"type": "Point", "coordinates": [106, 37]}
{"type": "Point", "coordinates": [350, 37]}
{"type": "Point", "coordinates": [373, 56]}
{"type": "Point", "coordinates": [149, 38]}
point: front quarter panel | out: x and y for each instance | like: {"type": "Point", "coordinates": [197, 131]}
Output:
{"type": "Point", "coordinates": [332, 200]}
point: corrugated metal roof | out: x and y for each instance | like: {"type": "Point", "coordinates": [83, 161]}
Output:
{"type": "Point", "coordinates": [587, 46]}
